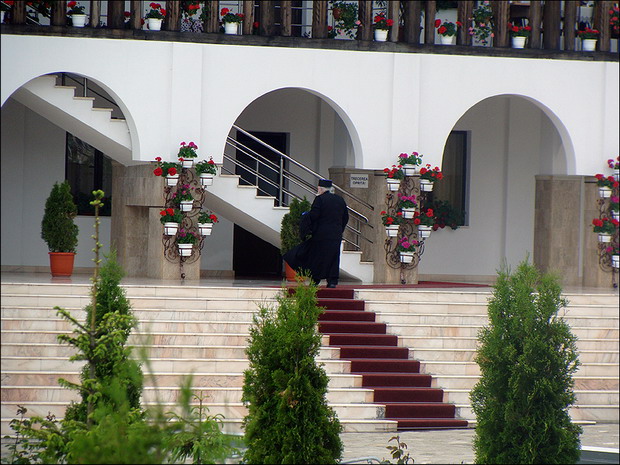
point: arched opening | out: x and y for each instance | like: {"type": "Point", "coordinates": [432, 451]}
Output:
{"type": "Point", "coordinates": [506, 143]}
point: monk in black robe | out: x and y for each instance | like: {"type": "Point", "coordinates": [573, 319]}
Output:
{"type": "Point", "coordinates": [325, 222]}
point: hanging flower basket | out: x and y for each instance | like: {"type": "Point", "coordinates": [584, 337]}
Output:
{"type": "Point", "coordinates": [187, 205]}
{"type": "Point", "coordinates": [172, 179]}
{"type": "Point", "coordinates": [185, 250]}
{"type": "Point", "coordinates": [392, 230]}
{"type": "Point", "coordinates": [206, 179]}
{"type": "Point", "coordinates": [426, 185]}
{"type": "Point", "coordinates": [406, 257]}
{"type": "Point", "coordinates": [604, 192]}
{"type": "Point", "coordinates": [393, 184]}
{"type": "Point", "coordinates": [424, 231]}
{"type": "Point", "coordinates": [205, 229]}
{"type": "Point", "coordinates": [170, 228]}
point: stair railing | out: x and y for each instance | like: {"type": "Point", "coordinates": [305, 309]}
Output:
{"type": "Point", "coordinates": [289, 184]}
{"type": "Point", "coordinates": [87, 89]}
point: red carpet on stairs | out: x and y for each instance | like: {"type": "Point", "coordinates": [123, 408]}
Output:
{"type": "Point", "coordinates": [385, 367]}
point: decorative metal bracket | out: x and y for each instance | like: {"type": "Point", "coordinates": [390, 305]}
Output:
{"type": "Point", "coordinates": [605, 257]}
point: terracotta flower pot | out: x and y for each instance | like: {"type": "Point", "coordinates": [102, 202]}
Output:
{"type": "Point", "coordinates": [290, 273]}
{"type": "Point", "coordinates": [61, 263]}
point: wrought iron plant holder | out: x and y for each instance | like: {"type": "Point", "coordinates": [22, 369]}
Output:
{"type": "Point", "coordinates": [605, 257]}
{"type": "Point", "coordinates": [409, 185]}
{"type": "Point", "coordinates": [171, 250]}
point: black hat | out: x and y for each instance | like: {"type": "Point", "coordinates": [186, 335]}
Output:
{"type": "Point", "coordinates": [325, 183]}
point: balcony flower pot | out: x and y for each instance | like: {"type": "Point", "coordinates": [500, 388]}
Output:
{"type": "Point", "coordinates": [381, 35]}
{"type": "Point", "coordinates": [447, 40]}
{"type": "Point", "coordinates": [518, 41]}
{"type": "Point", "coordinates": [154, 24]}
{"type": "Point", "coordinates": [231, 28]}
{"type": "Point", "coordinates": [588, 45]}
{"type": "Point", "coordinates": [78, 20]}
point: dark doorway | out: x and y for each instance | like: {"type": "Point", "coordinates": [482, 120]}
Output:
{"type": "Point", "coordinates": [265, 260]}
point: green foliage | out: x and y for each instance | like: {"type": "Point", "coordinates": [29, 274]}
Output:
{"type": "Point", "coordinates": [284, 388]}
{"type": "Point", "coordinates": [58, 228]}
{"type": "Point", "coordinates": [289, 231]}
{"type": "Point", "coordinates": [446, 214]}
{"type": "Point", "coordinates": [345, 18]}
{"type": "Point", "coordinates": [527, 357]}
{"type": "Point", "coordinates": [398, 452]}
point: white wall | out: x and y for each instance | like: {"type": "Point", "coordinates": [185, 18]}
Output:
{"type": "Point", "coordinates": [33, 159]}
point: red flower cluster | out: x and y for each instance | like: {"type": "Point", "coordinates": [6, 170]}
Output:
{"type": "Point", "coordinates": [447, 28]}
{"type": "Point", "coordinates": [425, 217]}
{"type": "Point", "coordinates": [433, 175]}
{"type": "Point", "coordinates": [519, 31]}
{"type": "Point", "coordinates": [389, 220]}
{"type": "Point", "coordinates": [605, 225]}
{"type": "Point", "coordinates": [228, 17]}
{"type": "Point", "coordinates": [381, 22]}
{"type": "Point", "coordinates": [395, 172]}
{"type": "Point", "coordinates": [606, 181]}
{"type": "Point", "coordinates": [165, 168]}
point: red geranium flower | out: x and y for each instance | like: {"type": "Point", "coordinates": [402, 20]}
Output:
{"type": "Point", "coordinates": [172, 171]}
{"type": "Point", "coordinates": [157, 171]}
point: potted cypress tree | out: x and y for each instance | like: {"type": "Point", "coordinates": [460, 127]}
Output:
{"type": "Point", "coordinates": [289, 231]}
{"type": "Point", "coordinates": [59, 230]}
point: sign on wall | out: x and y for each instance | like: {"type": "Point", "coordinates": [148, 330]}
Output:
{"type": "Point", "coordinates": [358, 180]}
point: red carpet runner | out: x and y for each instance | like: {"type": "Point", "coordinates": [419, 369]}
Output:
{"type": "Point", "coordinates": [385, 367]}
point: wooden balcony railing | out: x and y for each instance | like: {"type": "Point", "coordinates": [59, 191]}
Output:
{"type": "Point", "coordinates": [548, 22]}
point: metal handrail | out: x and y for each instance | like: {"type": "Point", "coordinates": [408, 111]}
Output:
{"type": "Point", "coordinates": [285, 175]}
{"type": "Point", "coordinates": [84, 83]}
{"type": "Point", "coordinates": [303, 167]}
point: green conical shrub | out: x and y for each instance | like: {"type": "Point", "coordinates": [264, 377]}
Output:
{"type": "Point", "coordinates": [58, 228]}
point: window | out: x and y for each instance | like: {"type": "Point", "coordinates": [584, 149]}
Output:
{"type": "Point", "coordinates": [87, 169]}
{"type": "Point", "coordinates": [453, 188]}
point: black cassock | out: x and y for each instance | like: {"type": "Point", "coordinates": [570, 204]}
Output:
{"type": "Point", "coordinates": [320, 254]}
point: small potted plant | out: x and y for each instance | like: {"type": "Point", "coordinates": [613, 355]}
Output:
{"type": "Point", "coordinates": [76, 12]}
{"type": "Point", "coordinates": [205, 223]}
{"type": "Point", "coordinates": [407, 205]}
{"type": "Point", "coordinates": [605, 185]}
{"type": "Point", "coordinates": [382, 25]}
{"type": "Point", "coordinates": [184, 198]}
{"type": "Point", "coordinates": [447, 31]}
{"type": "Point", "coordinates": [614, 206]}
{"type": "Point", "coordinates": [393, 176]}
{"type": "Point", "coordinates": [429, 176]}
{"type": "Point", "coordinates": [391, 222]}
{"type": "Point", "coordinates": [185, 242]}
{"type": "Point", "coordinates": [605, 228]}
{"type": "Point", "coordinates": [615, 257]}
{"type": "Point", "coordinates": [588, 38]}
{"type": "Point", "coordinates": [155, 16]}
{"type": "Point", "coordinates": [407, 249]}
{"type": "Point", "coordinates": [425, 221]}
{"type": "Point", "coordinates": [171, 219]}
{"type": "Point", "coordinates": [290, 235]}
{"type": "Point", "coordinates": [410, 162]}
{"type": "Point", "coordinates": [615, 165]}
{"type": "Point", "coordinates": [206, 169]}
{"type": "Point", "coordinates": [169, 170]}
{"type": "Point", "coordinates": [345, 18]}
{"type": "Point", "coordinates": [231, 21]}
{"type": "Point", "coordinates": [518, 34]}
{"type": "Point", "coordinates": [59, 230]}
{"type": "Point", "coordinates": [187, 153]}
{"type": "Point", "coordinates": [482, 18]}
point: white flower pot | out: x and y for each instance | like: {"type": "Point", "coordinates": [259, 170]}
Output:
{"type": "Point", "coordinates": [205, 229]}
{"type": "Point", "coordinates": [2, 16]}
{"type": "Point", "coordinates": [615, 215]}
{"type": "Point", "coordinates": [406, 257]}
{"type": "Point", "coordinates": [617, 174]}
{"type": "Point", "coordinates": [426, 185]}
{"type": "Point", "coordinates": [410, 170]}
{"type": "Point", "coordinates": [518, 42]}
{"type": "Point", "coordinates": [381, 35]}
{"type": "Point", "coordinates": [187, 205]}
{"type": "Point", "coordinates": [185, 250]}
{"type": "Point", "coordinates": [408, 212]}
{"type": "Point", "coordinates": [588, 45]}
{"type": "Point", "coordinates": [187, 163]}
{"type": "Point", "coordinates": [447, 40]}
{"type": "Point", "coordinates": [78, 20]}
{"type": "Point", "coordinates": [154, 24]}
{"type": "Point", "coordinates": [393, 184]}
{"type": "Point", "coordinates": [615, 261]}
{"type": "Point", "coordinates": [170, 228]}
{"type": "Point", "coordinates": [172, 180]}
{"type": "Point", "coordinates": [424, 231]}
{"type": "Point", "coordinates": [231, 28]}
{"type": "Point", "coordinates": [206, 179]}
{"type": "Point", "coordinates": [391, 230]}
{"type": "Point", "coordinates": [604, 192]}
{"type": "Point", "coordinates": [604, 237]}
